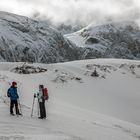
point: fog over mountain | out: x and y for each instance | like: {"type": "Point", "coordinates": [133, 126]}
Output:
{"type": "Point", "coordinates": [75, 11]}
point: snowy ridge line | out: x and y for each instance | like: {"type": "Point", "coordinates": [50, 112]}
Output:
{"type": "Point", "coordinates": [40, 137]}
{"type": "Point", "coordinates": [118, 127]}
{"type": "Point", "coordinates": [128, 131]}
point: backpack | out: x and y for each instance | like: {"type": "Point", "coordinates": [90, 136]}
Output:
{"type": "Point", "coordinates": [45, 92]}
{"type": "Point", "coordinates": [8, 93]}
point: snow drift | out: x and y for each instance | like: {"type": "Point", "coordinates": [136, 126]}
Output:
{"type": "Point", "coordinates": [80, 107]}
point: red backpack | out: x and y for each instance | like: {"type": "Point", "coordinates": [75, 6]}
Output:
{"type": "Point", "coordinates": [46, 95]}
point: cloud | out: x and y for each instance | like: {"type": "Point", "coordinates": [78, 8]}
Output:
{"type": "Point", "coordinates": [72, 11]}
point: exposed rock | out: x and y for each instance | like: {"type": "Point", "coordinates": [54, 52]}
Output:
{"type": "Point", "coordinates": [28, 69]}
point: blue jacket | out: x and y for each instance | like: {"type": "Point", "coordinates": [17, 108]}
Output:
{"type": "Point", "coordinates": [12, 93]}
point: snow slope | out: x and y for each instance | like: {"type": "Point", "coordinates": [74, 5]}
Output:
{"type": "Point", "coordinates": [80, 107]}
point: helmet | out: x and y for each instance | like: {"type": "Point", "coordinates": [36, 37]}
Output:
{"type": "Point", "coordinates": [14, 83]}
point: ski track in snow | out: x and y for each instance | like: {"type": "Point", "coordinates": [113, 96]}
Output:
{"type": "Point", "coordinates": [65, 121]}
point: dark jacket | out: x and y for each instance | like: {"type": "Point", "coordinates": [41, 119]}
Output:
{"type": "Point", "coordinates": [12, 93]}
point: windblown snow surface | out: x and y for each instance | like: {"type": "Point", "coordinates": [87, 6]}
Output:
{"type": "Point", "coordinates": [80, 106]}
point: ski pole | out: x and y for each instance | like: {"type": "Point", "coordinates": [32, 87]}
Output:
{"type": "Point", "coordinates": [38, 109]}
{"type": "Point", "coordinates": [20, 106]}
{"type": "Point", "coordinates": [33, 105]}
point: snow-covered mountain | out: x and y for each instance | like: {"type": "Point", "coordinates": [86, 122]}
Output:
{"type": "Point", "coordinates": [115, 40]}
{"type": "Point", "coordinates": [80, 107]}
{"type": "Point", "coordinates": [24, 39]}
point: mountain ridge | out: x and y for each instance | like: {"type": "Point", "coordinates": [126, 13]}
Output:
{"type": "Point", "coordinates": [115, 40]}
{"type": "Point", "coordinates": [28, 40]}
{"type": "Point", "coordinates": [24, 39]}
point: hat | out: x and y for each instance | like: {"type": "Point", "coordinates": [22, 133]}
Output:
{"type": "Point", "coordinates": [14, 83]}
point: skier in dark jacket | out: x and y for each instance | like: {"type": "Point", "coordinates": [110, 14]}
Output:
{"type": "Point", "coordinates": [12, 93]}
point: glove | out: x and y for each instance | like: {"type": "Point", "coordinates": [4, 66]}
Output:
{"type": "Point", "coordinates": [8, 95]}
{"type": "Point", "coordinates": [35, 95]}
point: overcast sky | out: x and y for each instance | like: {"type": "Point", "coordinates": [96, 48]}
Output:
{"type": "Point", "coordinates": [71, 11]}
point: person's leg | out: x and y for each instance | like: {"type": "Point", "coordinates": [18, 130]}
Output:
{"type": "Point", "coordinates": [16, 107]}
{"type": "Point", "coordinates": [11, 107]}
{"type": "Point", "coordinates": [41, 110]}
{"type": "Point", "coordinates": [44, 110]}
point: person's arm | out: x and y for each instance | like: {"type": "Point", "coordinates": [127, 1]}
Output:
{"type": "Point", "coordinates": [17, 94]}
{"type": "Point", "coordinates": [39, 95]}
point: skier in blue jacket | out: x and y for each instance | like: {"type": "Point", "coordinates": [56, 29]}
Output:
{"type": "Point", "coordinates": [12, 93]}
